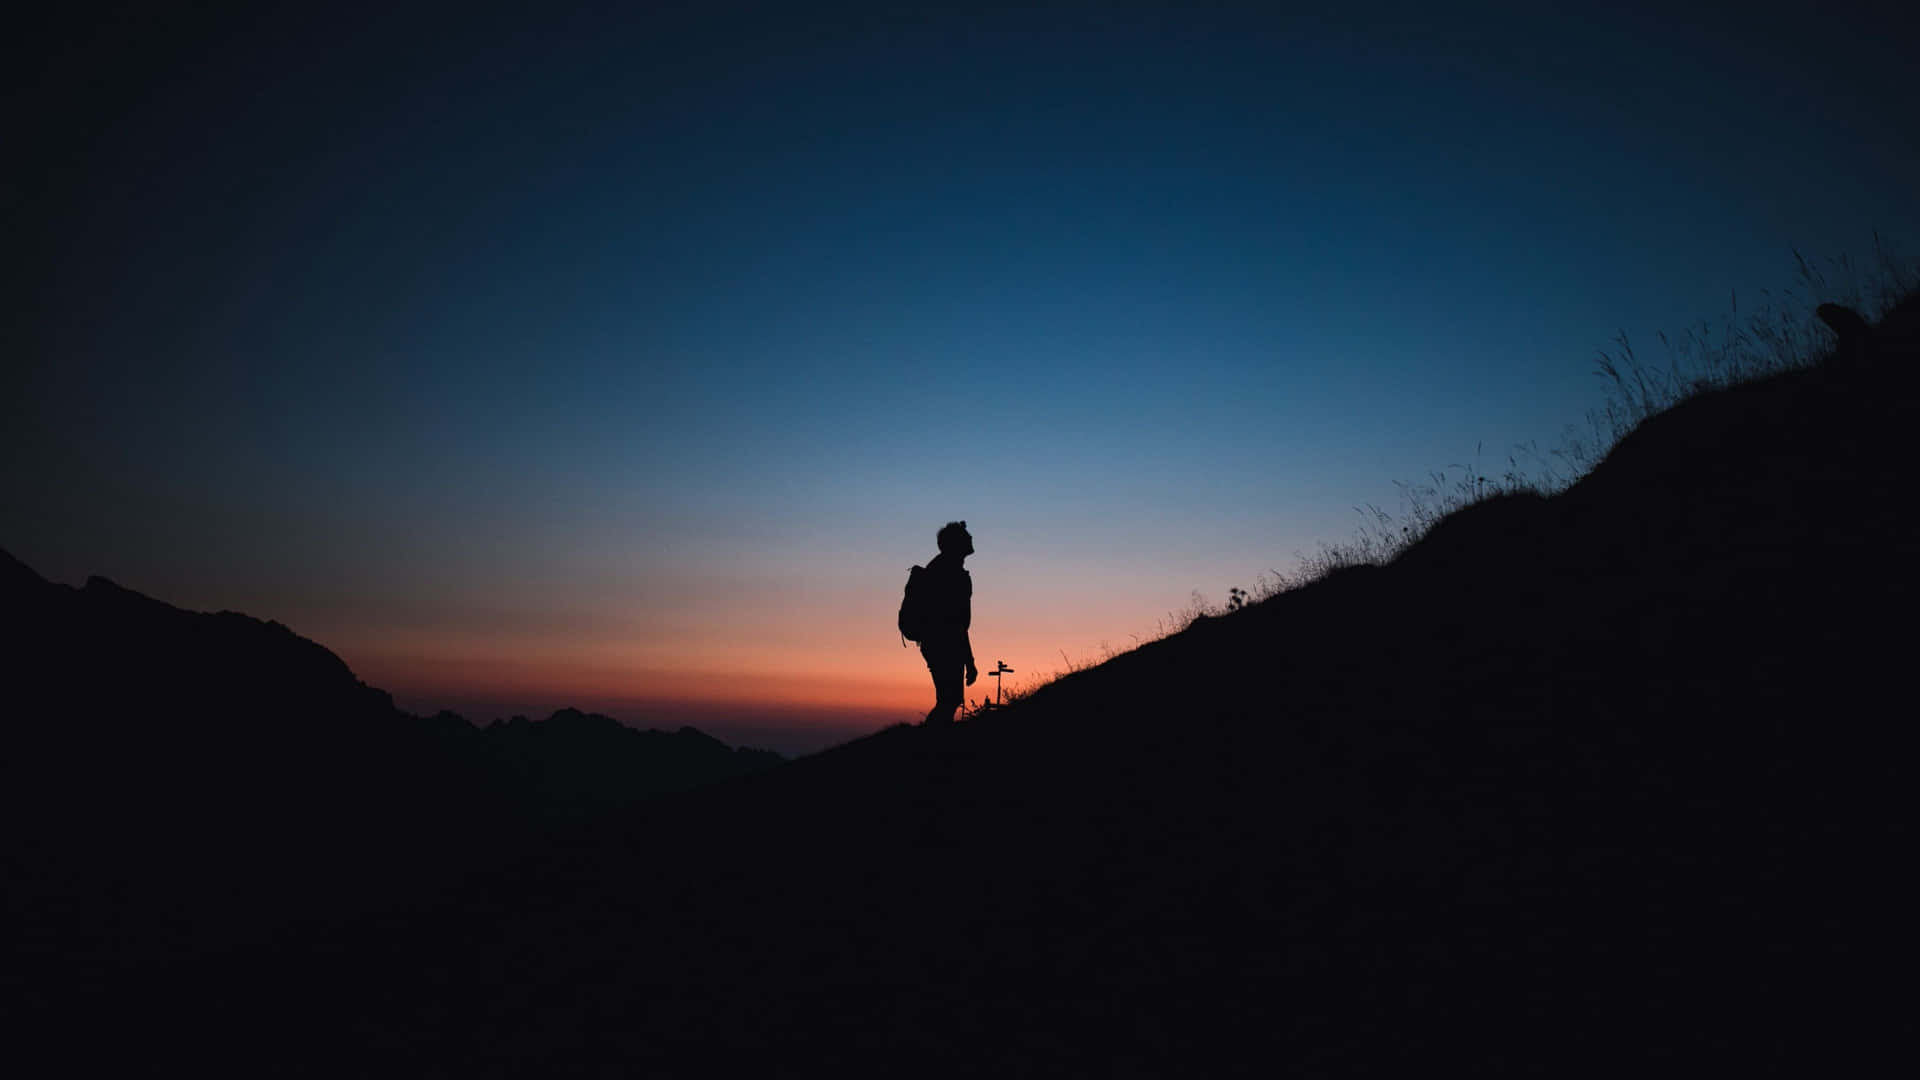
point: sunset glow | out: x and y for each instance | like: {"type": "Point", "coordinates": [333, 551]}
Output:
{"type": "Point", "coordinates": [632, 373]}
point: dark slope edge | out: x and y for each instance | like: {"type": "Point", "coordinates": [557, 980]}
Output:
{"type": "Point", "coordinates": [175, 782]}
{"type": "Point", "coordinates": [1613, 778]}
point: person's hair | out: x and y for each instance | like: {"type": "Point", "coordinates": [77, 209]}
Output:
{"type": "Point", "coordinates": [949, 537]}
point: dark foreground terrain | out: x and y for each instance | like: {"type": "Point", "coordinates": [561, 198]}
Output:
{"type": "Point", "coordinates": [1615, 779]}
{"type": "Point", "coordinates": [177, 784]}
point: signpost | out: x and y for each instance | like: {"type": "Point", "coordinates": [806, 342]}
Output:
{"type": "Point", "coordinates": [1000, 668]}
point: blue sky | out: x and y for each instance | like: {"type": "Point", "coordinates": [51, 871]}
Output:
{"type": "Point", "coordinates": [663, 340]}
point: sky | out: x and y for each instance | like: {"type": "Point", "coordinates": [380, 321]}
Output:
{"type": "Point", "coordinates": [626, 356]}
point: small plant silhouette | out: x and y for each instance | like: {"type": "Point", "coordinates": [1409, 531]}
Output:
{"type": "Point", "coordinates": [1237, 598]}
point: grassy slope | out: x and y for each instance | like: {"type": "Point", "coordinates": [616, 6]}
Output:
{"type": "Point", "coordinates": [1606, 778]}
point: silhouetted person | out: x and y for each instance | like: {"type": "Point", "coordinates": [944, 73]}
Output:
{"type": "Point", "coordinates": [948, 599]}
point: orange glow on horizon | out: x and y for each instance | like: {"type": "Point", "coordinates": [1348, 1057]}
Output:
{"type": "Point", "coordinates": [821, 651]}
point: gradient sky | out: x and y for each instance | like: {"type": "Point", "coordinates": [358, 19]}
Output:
{"type": "Point", "coordinates": [529, 357]}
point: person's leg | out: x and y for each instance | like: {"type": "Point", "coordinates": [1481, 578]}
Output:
{"type": "Point", "coordinates": [949, 671]}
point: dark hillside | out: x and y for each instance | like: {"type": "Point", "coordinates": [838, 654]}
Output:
{"type": "Point", "coordinates": [574, 765]}
{"type": "Point", "coordinates": [1606, 780]}
{"type": "Point", "coordinates": [177, 782]}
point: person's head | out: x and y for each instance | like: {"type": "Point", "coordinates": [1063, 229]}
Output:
{"type": "Point", "coordinates": [954, 539]}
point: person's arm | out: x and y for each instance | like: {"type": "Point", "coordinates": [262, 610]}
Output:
{"type": "Point", "coordinates": [966, 624]}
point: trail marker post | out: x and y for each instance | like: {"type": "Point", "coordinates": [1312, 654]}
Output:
{"type": "Point", "coordinates": [1000, 668]}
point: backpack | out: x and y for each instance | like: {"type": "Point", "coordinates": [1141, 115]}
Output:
{"type": "Point", "coordinates": [915, 625]}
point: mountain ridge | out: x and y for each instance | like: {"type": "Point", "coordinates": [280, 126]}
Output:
{"type": "Point", "coordinates": [189, 780]}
